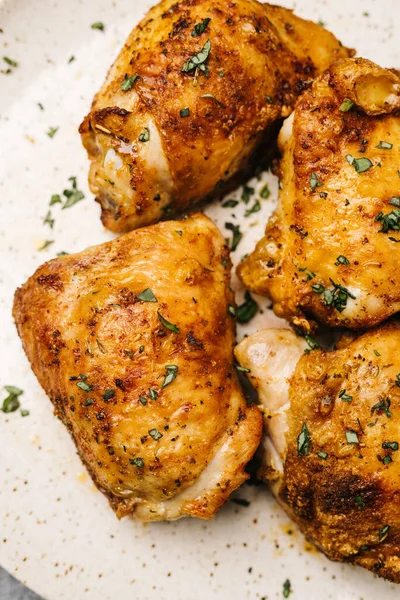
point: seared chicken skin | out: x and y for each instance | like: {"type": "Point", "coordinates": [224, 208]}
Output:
{"type": "Point", "coordinates": [133, 342]}
{"type": "Point", "coordinates": [332, 452]}
{"type": "Point", "coordinates": [191, 94]}
{"type": "Point", "coordinates": [331, 249]}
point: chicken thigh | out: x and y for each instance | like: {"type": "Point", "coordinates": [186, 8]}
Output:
{"type": "Point", "coordinates": [333, 434]}
{"type": "Point", "coordinates": [189, 97]}
{"type": "Point", "coordinates": [331, 250]}
{"type": "Point", "coordinates": [133, 342]}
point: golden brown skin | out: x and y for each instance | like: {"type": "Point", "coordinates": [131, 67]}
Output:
{"type": "Point", "coordinates": [173, 451]}
{"type": "Point", "coordinates": [347, 498]}
{"type": "Point", "coordinates": [261, 56]}
{"type": "Point", "coordinates": [312, 228]}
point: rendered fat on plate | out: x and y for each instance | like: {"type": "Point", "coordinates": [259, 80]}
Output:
{"type": "Point", "coordinates": [331, 452]}
{"type": "Point", "coordinates": [189, 97]}
{"type": "Point", "coordinates": [132, 341]}
{"type": "Point", "coordinates": [331, 250]}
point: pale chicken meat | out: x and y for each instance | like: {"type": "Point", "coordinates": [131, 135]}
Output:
{"type": "Point", "coordinates": [132, 341]}
{"type": "Point", "coordinates": [331, 250]}
{"type": "Point", "coordinates": [332, 442]}
{"type": "Point", "coordinates": [195, 89]}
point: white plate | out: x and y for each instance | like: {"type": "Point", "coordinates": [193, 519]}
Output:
{"type": "Point", "coordinates": [58, 534]}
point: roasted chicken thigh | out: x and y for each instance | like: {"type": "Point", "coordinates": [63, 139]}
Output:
{"type": "Point", "coordinates": [331, 250]}
{"type": "Point", "coordinates": [331, 452]}
{"type": "Point", "coordinates": [192, 93]}
{"type": "Point", "coordinates": [133, 342]}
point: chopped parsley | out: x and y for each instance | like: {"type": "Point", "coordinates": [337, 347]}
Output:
{"type": "Point", "coordinates": [383, 406]}
{"type": "Point", "coordinates": [153, 394]}
{"type": "Point", "coordinates": [309, 274]}
{"type": "Point", "coordinates": [395, 201]}
{"type": "Point", "coordinates": [236, 235]}
{"type": "Point", "coordinates": [231, 310]}
{"type": "Point", "coordinates": [200, 28]}
{"type": "Point", "coordinates": [352, 437]}
{"type": "Point", "coordinates": [52, 131]}
{"type": "Point", "coordinates": [108, 394]}
{"type": "Point", "coordinates": [342, 260]}
{"type": "Point", "coordinates": [171, 373]}
{"type": "Point", "coordinates": [155, 434]}
{"type": "Point", "coordinates": [48, 220]}
{"type": "Point", "coordinates": [147, 296]}
{"type": "Point", "coordinates": [336, 297]}
{"type": "Point", "coordinates": [11, 402]}
{"type": "Point", "coordinates": [390, 446]}
{"type": "Point", "coordinates": [360, 164]}
{"type": "Point", "coordinates": [247, 193]}
{"type": "Point", "coordinates": [322, 454]}
{"type": "Point", "coordinates": [230, 203]}
{"type": "Point", "coordinates": [303, 441]}
{"type": "Point", "coordinates": [138, 462]}
{"type": "Point", "coordinates": [314, 181]}
{"type": "Point", "coordinates": [346, 105]}
{"type": "Point", "coordinates": [71, 59]}
{"type": "Point", "coordinates": [46, 244]}
{"type": "Point", "coordinates": [359, 501]}
{"type": "Point", "coordinates": [184, 112]}
{"type": "Point", "coordinates": [73, 195]}
{"type": "Point", "coordinates": [55, 199]}
{"type": "Point", "coordinates": [311, 341]}
{"type": "Point", "coordinates": [242, 369]}
{"type": "Point", "coordinates": [128, 82]}
{"type": "Point", "coordinates": [255, 208]}
{"type": "Point", "coordinates": [143, 400]}
{"type": "Point", "coordinates": [167, 324]}
{"type": "Point", "coordinates": [287, 588]}
{"type": "Point", "coordinates": [376, 353]}
{"type": "Point", "coordinates": [384, 145]}
{"type": "Point", "coordinates": [383, 532]}
{"type": "Point", "coordinates": [98, 25]}
{"type": "Point", "coordinates": [390, 221]}
{"type": "Point", "coordinates": [345, 397]}
{"type": "Point", "coordinates": [269, 99]}
{"type": "Point", "coordinates": [10, 62]}
{"type": "Point", "coordinates": [145, 135]}
{"type": "Point", "coordinates": [198, 60]}
{"type": "Point", "coordinates": [246, 311]}
{"type": "Point", "coordinates": [264, 192]}
{"type": "Point", "coordinates": [86, 387]}
{"type": "Point", "coordinates": [318, 288]}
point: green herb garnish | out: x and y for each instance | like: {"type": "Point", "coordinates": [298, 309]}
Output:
{"type": "Point", "coordinates": [155, 434]}
{"type": "Point", "coordinates": [264, 192]}
{"type": "Point", "coordinates": [345, 397]}
{"type": "Point", "coordinates": [171, 373]}
{"type": "Point", "coordinates": [128, 82]}
{"type": "Point", "coordinates": [287, 588]}
{"type": "Point", "coordinates": [198, 60]}
{"type": "Point", "coordinates": [247, 193]}
{"type": "Point", "coordinates": [255, 208]}
{"type": "Point", "coordinates": [314, 181]}
{"type": "Point", "coordinates": [352, 437]}
{"type": "Point", "coordinates": [346, 105]}
{"type": "Point", "coordinates": [200, 28]}
{"type": "Point", "coordinates": [145, 135]}
{"type": "Point", "coordinates": [184, 112]}
{"type": "Point", "coordinates": [385, 145]}
{"type": "Point", "coordinates": [108, 394]}
{"type": "Point", "coordinates": [98, 25]}
{"type": "Point", "coordinates": [73, 195]}
{"type": "Point", "coordinates": [342, 260]}
{"type": "Point", "coordinates": [11, 403]}
{"type": "Point", "coordinates": [246, 311]}
{"type": "Point", "coordinates": [147, 296]}
{"type": "Point", "coordinates": [138, 462]}
{"type": "Point", "coordinates": [303, 441]}
{"type": "Point", "coordinates": [167, 324]}
{"type": "Point", "coordinates": [52, 131]}
{"type": "Point", "coordinates": [236, 235]}
{"type": "Point", "coordinates": [383, 406]}
{"type": "Point", "coordinates": [322, 454]}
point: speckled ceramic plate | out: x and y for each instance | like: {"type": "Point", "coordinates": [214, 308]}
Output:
{"type": "Point", "coordinates": [58, 534]}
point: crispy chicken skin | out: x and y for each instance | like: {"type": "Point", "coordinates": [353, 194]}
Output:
{"type": "Point", "coordinates": [145, 382]}
{"type": "Point", "coordinates": [178, 131]}
{"type": "Point", "coordinates": [334, 436]}
{"type": "Point", "coordinates": [340, 180]}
